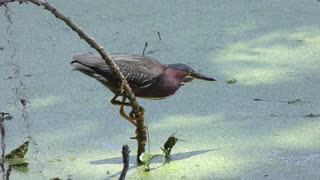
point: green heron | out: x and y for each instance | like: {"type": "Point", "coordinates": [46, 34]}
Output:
{"type": "Point", "coordinates": [147, 77]}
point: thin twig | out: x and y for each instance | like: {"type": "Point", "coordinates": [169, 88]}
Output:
{"type": "Point", "coordinates": [96, 46]}
{"type": "Point", "coordinates": [125, 156]}
{"type": "Point", "coordinates": [145, 47]}
{"type": "Point", "coordinates": [159, 35]}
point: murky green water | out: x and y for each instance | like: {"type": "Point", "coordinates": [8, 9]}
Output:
{"type": "Point", "coordinates": [270, 47]}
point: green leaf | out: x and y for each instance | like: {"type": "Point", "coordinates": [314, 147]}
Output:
{"type": "Point", "coordinates": [231, 81]}
{"type": "Point", "coordinates": [19, 152]}
{"type": "Point", "coordinates": [8, 117]}
{"type": "Point", "coordinates": [22, 167]}
{"type": "Point", "coordinates": [295, 101]}
{"type": "Point", "coordinates": [5, 116]}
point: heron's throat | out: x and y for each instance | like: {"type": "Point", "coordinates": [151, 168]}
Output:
{"type": "Point", "coordinates": [175, 78]}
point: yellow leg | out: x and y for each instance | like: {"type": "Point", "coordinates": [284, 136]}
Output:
{"type": "Point", "coordinates": [123, 114]}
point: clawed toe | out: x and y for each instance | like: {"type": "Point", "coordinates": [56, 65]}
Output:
{"type": "Point", "coordinates": [130, 119]}
{"type": "Point", "coordinates": [142, 132]}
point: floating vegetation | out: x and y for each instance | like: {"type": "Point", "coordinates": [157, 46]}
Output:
{"type": "Point", "coordinates": [23, 102]}
{"type": "Point", "coordinates": [168, 145]}
{"type": "Point", "coordinates": [295, 101]}
{"type": "Point", "coordinates": [15, 157]}
{"type": "Point", "coordinates": [19, 152]}
{"type": "Point", "coordinates": [55, 178]}
{"type": "Point", "coordinates": [231, 81]}
{"type": "Point", "coordinates": [6, 116]}
{"type": "Point", "coordinates": [28, 75]}
{"type": "Point", "coordinates": [146, 157]}
{"type": "Point", "coordinates": [311, 115]}
{"type": "Point", "coordinates": [22, 166]}
{"type": "Point", "coordinates": [258, 99]}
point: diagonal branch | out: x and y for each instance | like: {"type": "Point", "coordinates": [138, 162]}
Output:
{"type": "Point", "coordinates": [137, 109]}
{"type": "Point", "coordinates": [96, 46]}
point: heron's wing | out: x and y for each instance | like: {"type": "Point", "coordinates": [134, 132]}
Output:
{"type": "Point", "coordinates": [140, 71]}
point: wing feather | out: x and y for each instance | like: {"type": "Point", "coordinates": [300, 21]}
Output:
{"type": "Point", "coordinates": [140, 71]}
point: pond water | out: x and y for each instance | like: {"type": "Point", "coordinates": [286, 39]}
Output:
{"type": "Point", "coordinates": [263, 124]}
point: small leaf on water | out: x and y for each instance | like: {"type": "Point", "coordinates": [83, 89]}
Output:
{"type": "Point", "coordinates": [168, 145]}
{"type": "Point", "coordinates": [231, 81]}
{"type": "Point", "coordinates": [55, 178]}
{"type": "Point", "coordinates": [7, 117]}
{"type": "Point", "coordinates": [295, 101]}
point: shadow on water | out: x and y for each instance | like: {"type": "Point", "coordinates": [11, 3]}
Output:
{"type": "Point", "coordinates": [173, 157]}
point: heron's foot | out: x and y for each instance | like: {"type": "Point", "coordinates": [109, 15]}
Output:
{"type": "Point", "coordinates": [133, 117]}
{"type": "Point", "coordinates": [130, 119]}
{"type": "Point", "coordinates": [141, 133]}
{"type": "Point", "coordinates": [114, 101]}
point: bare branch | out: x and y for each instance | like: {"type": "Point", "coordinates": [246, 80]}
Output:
{"type": "Point", "coordinates": [96, 46]}
{"type": "Point", "coordinates": [137, 109]}
{"type": "Point", "coordinates": [125, 156]}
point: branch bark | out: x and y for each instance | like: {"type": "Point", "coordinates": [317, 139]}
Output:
{"type": "Point", "coordinates": [125, 156]}
{"type": "Point", "coordinates": [136, 108]}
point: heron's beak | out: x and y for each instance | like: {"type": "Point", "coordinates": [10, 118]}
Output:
{"type": "Point", "coordinates": [197, 75]}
